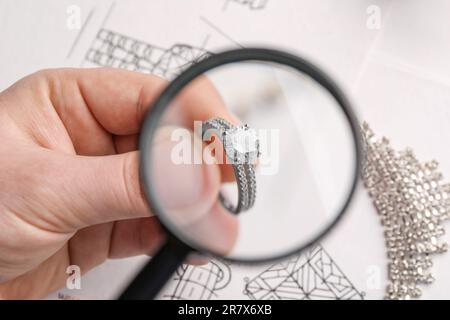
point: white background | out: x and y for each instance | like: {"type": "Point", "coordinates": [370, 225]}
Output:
{"type": "Point", "coordinates": [398, 76]}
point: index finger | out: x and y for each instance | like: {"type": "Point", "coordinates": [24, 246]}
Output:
{"type": "Point", "coordinates": [119, 99]}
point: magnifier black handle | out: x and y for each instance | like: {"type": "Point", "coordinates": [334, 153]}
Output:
{"type": "Point", "coordinates": [157, 272]}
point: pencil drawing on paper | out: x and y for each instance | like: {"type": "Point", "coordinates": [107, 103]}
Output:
{"type": "Point", "coordinates": [200, 282]}
{"type": "Point", "coordinates": [310, 276]}
{"type": "Point", "coordinates": [252, 4]}
{"type": "Point", "coordinates": [111, 49]}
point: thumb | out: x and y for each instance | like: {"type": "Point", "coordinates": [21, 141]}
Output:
{"type": "Point", "coordinates": [108, 188]}
{"type": "Point", "coordinates": [104, 189]}
{"type": "Point", "coordinates": [188, 194]}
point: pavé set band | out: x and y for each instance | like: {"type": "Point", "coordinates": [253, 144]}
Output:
{"type": "Point", "coordinates": [241, 147]}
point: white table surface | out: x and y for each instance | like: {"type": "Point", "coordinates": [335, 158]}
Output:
{"type": "Point", "coordinates": [398, 76]}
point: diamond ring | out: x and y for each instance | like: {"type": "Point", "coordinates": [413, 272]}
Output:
{"type": "Point", "coordinates": [241, 147]}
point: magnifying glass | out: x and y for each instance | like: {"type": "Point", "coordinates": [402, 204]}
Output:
{"type": "Point", "coordinates": [264, 142]}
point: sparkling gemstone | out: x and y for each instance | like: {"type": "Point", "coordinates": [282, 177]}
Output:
{"type": "Point", "coordinates": [243, 143]}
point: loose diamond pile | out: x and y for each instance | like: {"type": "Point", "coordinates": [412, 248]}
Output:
{"type": "Point", "coordinates": [413, 203]}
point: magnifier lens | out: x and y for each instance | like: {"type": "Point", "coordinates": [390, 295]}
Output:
{"type": "Point", "coordinates": [298, 142]}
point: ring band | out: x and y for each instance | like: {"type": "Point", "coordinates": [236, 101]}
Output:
{"type": "Point", "coordinates": [242, 157]}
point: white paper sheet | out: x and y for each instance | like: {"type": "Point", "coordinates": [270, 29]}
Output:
{"type": "Point", "coordinates": [397, 75]}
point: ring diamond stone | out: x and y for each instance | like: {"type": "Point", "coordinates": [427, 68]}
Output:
{"type": "Point", "coordinates": [241, 145]}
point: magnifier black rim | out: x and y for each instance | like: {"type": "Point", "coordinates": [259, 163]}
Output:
{"type": "Point", "coordinates": [155, 112]}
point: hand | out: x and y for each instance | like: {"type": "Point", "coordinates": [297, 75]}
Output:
{"type": "Point", "coordinates": [69, 186]}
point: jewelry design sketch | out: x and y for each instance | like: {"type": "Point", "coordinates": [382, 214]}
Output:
{"type": "Point", "coordinates": [412, 202]}
{"type": "Point", "coordinates": [309, 276]}
{"type": "Point", "coordinates": [112, 49]}
{"type": "Point", "coordinates": [241, 147]}
{"type": "Point", "coordinates": [200, 282]}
